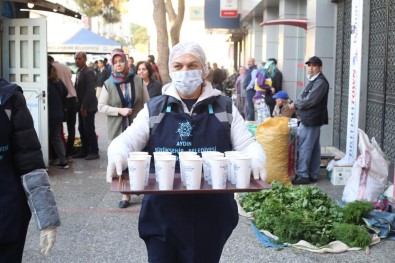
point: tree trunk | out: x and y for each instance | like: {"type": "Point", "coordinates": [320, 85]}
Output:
{"type": "Point", "coordinates": [162, 39]}
{"type": "Point", "coordinates": [175, 20]}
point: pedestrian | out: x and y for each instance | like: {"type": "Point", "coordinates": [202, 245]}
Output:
{"type": "Point", "coordinates": [240, 91]}
{"type": "Point", "coordinates": [121, 99]}
{"type": "Point", "coordinates": [282, 108]}
{"type": "Point", "coordinates": [57, 93]}
{"type": "Point", "coordinates": [277, 79]}
{"type": "Point", "coordinates": [248, 85]}
{"type": "Point", "coordinates": [187, 227]}
{"type": "Point", "coordinates": [85, 85]}
{"type": "Point", "coordinates": [146, 72]}
{"type": "Point", "coordinates": [217, 77]}
{"type": "Point", "coordinates": [131, 65]}
{"type": "Point", "coordinates": [151, 59]}
{"type": "Point", "coordinates": [101, 77]}
{"type": "Point", "coordinates": [70, 106]}
{"type": "Point", "coordinates": [107, 69]}
{"type": "Point", "coordinates": [311, 109]}
{"type": "Point", "coordinates": [24, 183]}
{"type": "Point", "coordinates": [210, 73]}
{"type": "Point", "coordinates": [269, 71]}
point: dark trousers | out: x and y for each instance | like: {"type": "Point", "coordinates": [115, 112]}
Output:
{"type": "Point", "coordinates": [86, 127]}
{"type": "Point", "coordinates": [250, 105]}
{"type": "Point", "coordinates": [12, 252]}
{"type": "Point", "coordinates": [162, 252]}
{"type": "Point", "coordinates": [72, 108]}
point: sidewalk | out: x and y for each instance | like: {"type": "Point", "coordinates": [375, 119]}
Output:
{"type": "Point", "coordinates": [94, 229]}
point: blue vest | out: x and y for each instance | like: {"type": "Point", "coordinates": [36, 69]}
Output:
{"type": "Point", "coordinates": [14, 210]}
{"type": "Point", "coordinates": [198, 223]}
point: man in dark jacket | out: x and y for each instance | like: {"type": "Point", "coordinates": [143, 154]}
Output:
{"type": "Point", "coordinates": [85, 85]}
{"type": "Point", "coordinates": [312, 111]}
{"type": "Point", "coordinates": [23, 179]}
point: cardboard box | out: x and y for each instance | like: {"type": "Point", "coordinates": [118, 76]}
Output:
{"type": "Point", "coordinates": [339, 174]}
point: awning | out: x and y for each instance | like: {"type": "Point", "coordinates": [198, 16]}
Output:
{"type": "Point", "coordinates": [289, 22]}
{"type": "Point", "coordinates": [43, 5]}
{"type": "Point", "coordinates": [79, 39]}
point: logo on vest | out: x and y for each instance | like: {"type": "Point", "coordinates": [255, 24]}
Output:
{"type": "Point", "coordinates": [185, 129]}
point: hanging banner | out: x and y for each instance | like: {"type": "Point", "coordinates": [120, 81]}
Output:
{"type": "Point", "coordinates": [354, 79]}
{"type": "Point", "coordinates": [228, 9]}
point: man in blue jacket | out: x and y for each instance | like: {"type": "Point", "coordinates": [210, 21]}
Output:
{"type": "Point", "coordinates": [311, 107]}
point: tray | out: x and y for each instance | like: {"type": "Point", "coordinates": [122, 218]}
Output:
{"type": "Point", "coordinates": [123, 186]}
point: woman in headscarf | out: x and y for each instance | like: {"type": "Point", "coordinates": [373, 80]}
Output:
{"type": "Point", "coordinates": [122, 97]}
{"type": "Point", "coordinates": [146, 72]}
{"type": "Point", "coordinates": [240, 92]}
{"type": "Point", "coordinates": [186, 227]}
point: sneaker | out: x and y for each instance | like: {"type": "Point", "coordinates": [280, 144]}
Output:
{"type": "Point", "coordinates": [62, 166]}
{"type": "Point", "coordinates": [300, 180]}
{"type": "Point", "coordinates": [92, 156]}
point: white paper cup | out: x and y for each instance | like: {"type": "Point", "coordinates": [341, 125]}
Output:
{"type": "Point", "coordinates": [242, 171]}
{"type": "Point", "coordinates": [158, 155]}
{"type": "Point", "coordinates": [219, 171]}
{"type": "Point", "coordinates": [230, 154]}
{"type": "Point", "coordinates": [164, 169]}
{"type": "Point", "coordinates": [181, 155]}
{"type": "Point", "coordinates": [206, 165]}
{"type": "Point", "coordinates": [131, 154]}
{"type": "Point", "coordinates": [192, 171]}
{"type": "Point", "coordinates": [136, 167]}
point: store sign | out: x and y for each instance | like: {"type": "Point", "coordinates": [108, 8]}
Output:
{"type": "Point", "coordinates": [354, 79]}
{"type": "Point", "coordinates": [228, 9]}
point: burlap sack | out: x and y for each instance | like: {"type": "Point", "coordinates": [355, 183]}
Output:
{"type": "Point", "coordinates": [273, 135]}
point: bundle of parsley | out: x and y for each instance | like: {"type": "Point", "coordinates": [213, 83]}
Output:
{"type": "Point", "coordinates": [307, 213]}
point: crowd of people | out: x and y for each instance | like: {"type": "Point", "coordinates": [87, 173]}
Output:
{"type": "Point", "coordinates": [143, 115]}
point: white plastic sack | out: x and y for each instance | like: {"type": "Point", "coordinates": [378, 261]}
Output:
{"type": "Point", "coordinates": [369, 173]}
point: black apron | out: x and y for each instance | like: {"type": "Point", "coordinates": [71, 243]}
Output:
{"type": "Point", "coordinates": [14, 209]}
{"type": "Point", "coordinates": [197, 224]}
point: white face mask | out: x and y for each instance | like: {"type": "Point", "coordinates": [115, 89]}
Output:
{"type": "Point", "coordinates": [187, 82]}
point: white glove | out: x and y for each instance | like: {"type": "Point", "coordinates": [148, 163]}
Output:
{"type": "Point", "coordinates": [47, 240]}
{"type": "Point", "coordinates": [115, 167]}
{"type": "Point", "coordinates": [258, 160]}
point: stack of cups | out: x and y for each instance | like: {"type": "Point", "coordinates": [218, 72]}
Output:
{"type": "Point", "coordinates": [133, 155]}
{"type": "Point", "coordinates": [181, 156]}
{"type": "Point", "coordinates": [165, 165]}
{"type": "Point", "coordinates": [218, 171]}
{"type": "Point", "coordinates": [206, 156]}
{"type": "Point", "coordinates": [191, 169]}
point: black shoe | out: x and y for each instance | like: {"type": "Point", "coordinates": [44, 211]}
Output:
{"type": "Point", "coordinates": [313, 180]}
{"type": "Point", "coordinates": [123, 204]}
{"type": "Point", "coordinates": [80, 155]}
{"type": "Point", "coordinates": [92, 156]}
{"type": "Point", "coordinates": [300, 180]}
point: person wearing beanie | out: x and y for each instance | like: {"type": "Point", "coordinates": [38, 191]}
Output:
{"type": "Point", "coordinates": [282, 107]}
{"type": "Point", "coordinates": [122, 97]}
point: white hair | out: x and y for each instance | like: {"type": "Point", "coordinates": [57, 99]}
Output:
{"type": "Point", "coordinates": [192, 48]}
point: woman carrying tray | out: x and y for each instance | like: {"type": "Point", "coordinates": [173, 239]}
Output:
{"type": "Point", "coordinates": [190, 116]}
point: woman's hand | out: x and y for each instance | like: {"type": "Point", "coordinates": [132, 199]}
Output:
{"type": "Point", "coordinates": [125, 111]}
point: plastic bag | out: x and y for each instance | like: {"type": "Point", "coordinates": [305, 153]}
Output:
{"type": "Point", "coordinates": [369, 173]}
